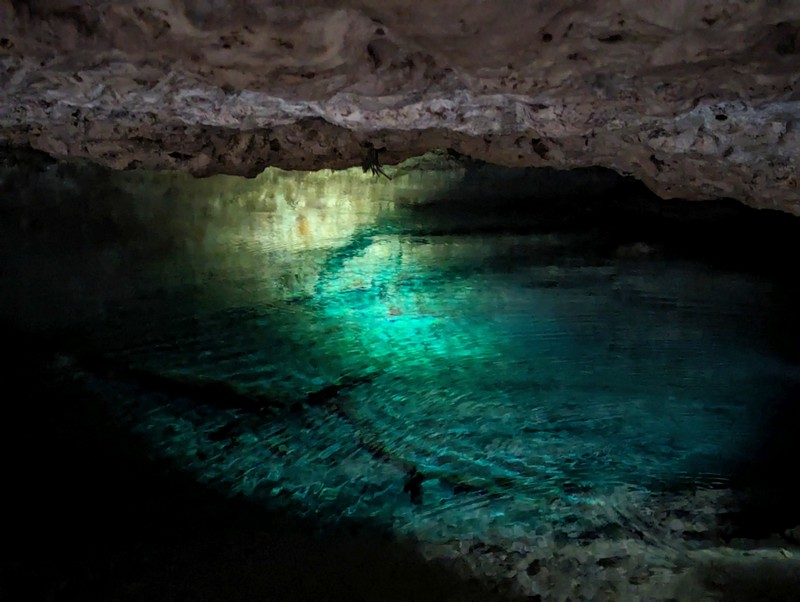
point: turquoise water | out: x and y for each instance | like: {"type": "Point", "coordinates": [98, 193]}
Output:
{"type": "Point", "coordinates": [585, 397]}
{"type": "Point", "coordinates": [525, 377]}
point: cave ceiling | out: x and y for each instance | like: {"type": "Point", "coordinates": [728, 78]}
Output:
{"type": "Point", "coordinates": [698, 100]}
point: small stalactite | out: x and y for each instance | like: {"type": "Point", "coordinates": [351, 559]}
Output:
{"type": "Point", "coordinates": [372, 162]}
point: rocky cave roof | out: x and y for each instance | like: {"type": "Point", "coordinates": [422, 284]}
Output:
{"type": "Point", "coordinates": [698, 100]}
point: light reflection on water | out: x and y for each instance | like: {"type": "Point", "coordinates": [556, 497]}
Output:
{"type": "Point", "coordinates": [307, 341]}
{"type": "Point", "coordinates": [515, 373]}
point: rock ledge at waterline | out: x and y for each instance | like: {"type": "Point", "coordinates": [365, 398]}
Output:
{"type": "Point", "coordinates": [698, 100]}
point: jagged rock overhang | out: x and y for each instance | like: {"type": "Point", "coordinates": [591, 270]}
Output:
{"type": "Point", "coordinates": [696, 100]}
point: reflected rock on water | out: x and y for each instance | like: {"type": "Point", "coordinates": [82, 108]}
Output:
{"type": "Point", "coordinates": [563, 397]}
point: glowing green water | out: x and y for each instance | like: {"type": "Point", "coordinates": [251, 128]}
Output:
{"type": "Point", "coordinates": [307, 339]}
{"type": "Point", "coordinates": [516, 374]}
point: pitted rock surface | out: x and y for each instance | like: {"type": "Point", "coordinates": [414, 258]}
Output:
{"type": "Point", "coordinates": [697, 99]}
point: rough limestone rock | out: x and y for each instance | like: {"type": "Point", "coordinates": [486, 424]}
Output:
{"type": "Point", "coordinates": [697, 99]}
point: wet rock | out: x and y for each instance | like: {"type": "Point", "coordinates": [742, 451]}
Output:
{"type": "Point", "coordinates": [413, 485]}
{"type": "Point", "coordinates": [638, 576]}
{"type": "Point", "coordinates": [637, 250]}
{"type": "Point", "coordinates": [793, 535]}
{"type": "Point", "coordinates": [534, 567]}
{"type": "Point", "coordinates": [609, 562]}
{"type": "Point", "coordinates": [607, 531]}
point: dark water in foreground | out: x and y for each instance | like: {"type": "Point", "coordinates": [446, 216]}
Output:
{"type": "Point", "coordinates": [313, 358]}
{"type": "Point", "coordinates": [519, 374]}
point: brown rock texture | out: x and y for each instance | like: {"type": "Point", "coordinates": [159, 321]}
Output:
{"type": "Point", "coordinates": [697, 99]}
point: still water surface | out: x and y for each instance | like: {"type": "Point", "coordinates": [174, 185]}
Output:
{"type": "Point", "coordinates": [527, 374]}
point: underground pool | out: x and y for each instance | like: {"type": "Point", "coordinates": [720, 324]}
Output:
{"type": "Point", "coordinates": [590, 407]}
